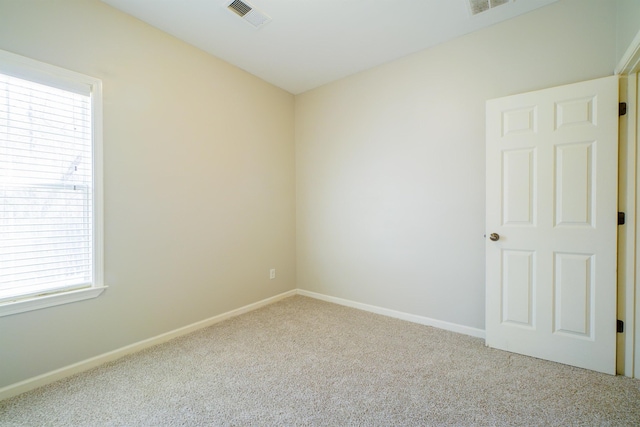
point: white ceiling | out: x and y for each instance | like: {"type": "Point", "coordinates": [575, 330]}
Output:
{"type": "Point", "coordinates": [309, 43]}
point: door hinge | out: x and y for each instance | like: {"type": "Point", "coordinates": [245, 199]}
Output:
{"type": "Point", "coordinates": [621, 218]}
{"type": "Point", "coordinates": [620, 326]}
{"type": "Point", "coordinates": [622, 108]}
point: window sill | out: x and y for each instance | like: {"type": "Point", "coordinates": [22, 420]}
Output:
{"type": "Point", "coordinates": [36, 303]}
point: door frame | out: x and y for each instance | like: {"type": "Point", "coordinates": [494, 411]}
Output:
{"type": "Point", "coordinates": [628, 342]}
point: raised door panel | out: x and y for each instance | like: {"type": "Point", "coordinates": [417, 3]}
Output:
{"type": "Point", "coordinates": [552, 199]}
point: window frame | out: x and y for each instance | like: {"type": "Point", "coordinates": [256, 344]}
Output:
{"type": "Point", "coordinates": [53, 76]}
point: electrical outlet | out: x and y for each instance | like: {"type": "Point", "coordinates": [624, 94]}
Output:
{"type": "Point", "coordinates": [272, 273]}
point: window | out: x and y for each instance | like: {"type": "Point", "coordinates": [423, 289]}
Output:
{"type": "Point", "coordinates": [50, 185]}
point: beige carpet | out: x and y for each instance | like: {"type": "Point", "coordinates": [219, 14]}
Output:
{"type": "Point", "coordinates": [304, 362]}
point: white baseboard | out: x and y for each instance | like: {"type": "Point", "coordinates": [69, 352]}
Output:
{"type": "Point", "coordinates": [441, 324]}
{"type": "Point", "coordinates": [58, 374]}
{"type": "Point", "coordinates": [49, 377]}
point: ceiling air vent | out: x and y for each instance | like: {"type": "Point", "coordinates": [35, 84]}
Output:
{"type": "Point", "coordinates": [479, 6]}
{"type": "Point", "coordinates": [249, 13]}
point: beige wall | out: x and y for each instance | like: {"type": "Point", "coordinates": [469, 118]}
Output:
{"type": "Point", "coordinates": [199, 184]}
{"type": "Point", "coordinates": [391, 162]}
{"type": "Point", "coordinates": [199, 173]}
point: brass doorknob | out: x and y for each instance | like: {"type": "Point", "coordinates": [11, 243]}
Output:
{"type": "Point", "coordinates": [494, 237]}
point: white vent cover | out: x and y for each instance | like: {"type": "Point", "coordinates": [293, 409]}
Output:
{"type": "Point", "coordinates": [479, 6]}
{"type": "Point", "coordinates": [248, 12]}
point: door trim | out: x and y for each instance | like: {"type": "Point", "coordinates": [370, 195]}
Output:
{"type": "Point", "coordinates": [629, 198]}
{"type": "Point", "coordinates": [627, 237]}
{"type": "Point", "coordinates": [635, 319]}
{"type": "Point", "coordinates": [630, 61]}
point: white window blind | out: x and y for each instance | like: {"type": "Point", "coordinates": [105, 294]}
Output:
{"type": "Point", "coordinates": [46, 188]}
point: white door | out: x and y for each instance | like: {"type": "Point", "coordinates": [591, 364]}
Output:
{"type": "Point", "coordinates": [552, 185]}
